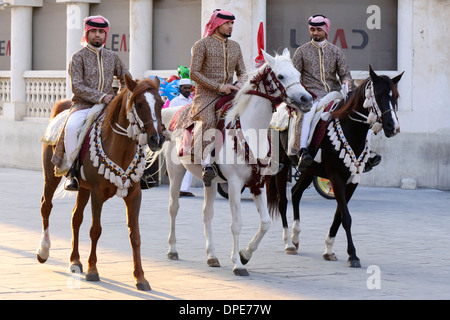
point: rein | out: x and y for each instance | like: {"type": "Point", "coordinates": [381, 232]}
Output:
{"type": "Point", "coordinates": [122, 178]}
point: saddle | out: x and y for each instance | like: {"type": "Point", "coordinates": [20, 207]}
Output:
{"type": "Point", "coordinates": [54, 136]}
{"type": "Point", "coordinates": [282, 121]}
{"type": "Point", "coordinates": [182, 124]}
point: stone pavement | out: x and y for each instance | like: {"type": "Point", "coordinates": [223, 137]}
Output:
{"type": "Point", "coordinates": [401, 237]}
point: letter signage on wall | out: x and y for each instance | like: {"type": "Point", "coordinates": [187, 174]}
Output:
{"type": "Point", "coordinates": [366, 32]}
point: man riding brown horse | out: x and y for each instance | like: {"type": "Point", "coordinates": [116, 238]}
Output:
{"type": "Point", "coordinates": [91, 70]}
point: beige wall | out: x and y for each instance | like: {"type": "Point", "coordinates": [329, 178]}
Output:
{"type": "Point", "coordinates": [176, 27]}
{"type": "Point", "coordinates": [49, 36]}
{"type": "Point", "coordinates": [5, 39]}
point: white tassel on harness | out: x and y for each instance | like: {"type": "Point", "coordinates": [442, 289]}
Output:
{"type": "Point", "coordinates": [115, 174]}
{"type": "Point", "coordinates": [354, 164]}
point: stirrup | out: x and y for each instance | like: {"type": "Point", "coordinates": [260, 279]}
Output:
{"type": "Point", "coordinates": [72, 184]}
{"type": "Point", "coordinates": [209, 172]}
{"type": "Point", "coordinates": [305, 160]}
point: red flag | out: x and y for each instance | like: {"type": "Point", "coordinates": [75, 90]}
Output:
{"type": "Point", "coordinates": [259, 60]}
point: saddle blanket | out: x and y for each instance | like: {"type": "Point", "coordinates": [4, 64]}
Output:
{"type": "Point", "coordinates": [56, 127]}
{"type": "Point", "coordinates": [182, 125]}
{"type": "Point", "coordinates": [281, 120]}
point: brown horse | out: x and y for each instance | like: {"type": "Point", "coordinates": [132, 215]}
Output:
{"type": "Point", "coordinates": [138, 108]}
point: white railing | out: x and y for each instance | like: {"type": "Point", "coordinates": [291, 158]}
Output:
{"type": "Point", "coordinates": [5, 88]}
{"type": "Point", "coordinates": [43, 90]}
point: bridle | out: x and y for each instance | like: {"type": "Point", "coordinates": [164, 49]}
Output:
{"type": "Point", "coordinates": [375, 117]}
{"type": "Point", "coordinates": [136, 128]}
{"type": "Point", "coordinates": [270, 84]}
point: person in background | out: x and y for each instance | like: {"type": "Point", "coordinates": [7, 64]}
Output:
{"type": "Point", "coordinates": [184, 97]}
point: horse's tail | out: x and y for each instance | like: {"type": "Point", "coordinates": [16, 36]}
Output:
{"type": "Point", "coordinates": [272, 197]}
{"type": "Point", "coordinates": [60, 106]}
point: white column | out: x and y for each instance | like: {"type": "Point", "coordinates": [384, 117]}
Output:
{"type": "Point", "coordinates": [405, 51]}
{"type": "Point", "coordinates": [21, 60]}
{"type": "Point", "coordinates": [248, 13]}
{"type": "Point", "coordinates": [141, 21]}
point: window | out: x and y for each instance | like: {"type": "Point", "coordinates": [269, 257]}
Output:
{"type": "Point", "coordinates": [366, 32]}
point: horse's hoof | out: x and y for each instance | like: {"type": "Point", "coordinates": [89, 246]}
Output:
{"type": "Point", "coordinates": [76, 268]}
{"type": "Point", "coordinates": [291, 250]}
{"type": "Point", "coordinates": [41, 260]}
{"type": "Point", "coordinates": [92, 277]}
{"type": "Point", "coordinates": [244, 260]}
{"type": "Point", "coordinates": [213, 262]}
{"type": "Point", "coordinates": [172, 256]}
{"type": "Point", "coordinates": [295, 244]}
{"type": "Point", "coordinates": [143, 286]}
{"type": "Point", "coordinates": [241, 272]}
{"type": "Point", "coordinates": [329, 256]}
{"type": "Point", "coordinates": [354, 263]}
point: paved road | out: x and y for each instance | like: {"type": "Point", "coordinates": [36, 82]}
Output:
{"type": "Point", "coordinates": [401, 237]}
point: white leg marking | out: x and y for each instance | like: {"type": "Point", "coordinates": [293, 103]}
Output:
{"type": "Point", "coordinates": [44, 247]}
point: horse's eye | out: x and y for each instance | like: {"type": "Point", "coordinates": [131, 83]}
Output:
{"type": "Point", "coordinates": [280, 76]}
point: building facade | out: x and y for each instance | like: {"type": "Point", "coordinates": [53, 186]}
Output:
{"type": "Point", "coordinates": [153, 37]}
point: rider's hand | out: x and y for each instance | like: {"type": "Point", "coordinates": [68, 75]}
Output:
{"type": "Point", "coordinates": [228, 88]}
{"type": "Point", "coordinates": [349, 83]}
{"type": "Point", "coordinates": [107, 99]}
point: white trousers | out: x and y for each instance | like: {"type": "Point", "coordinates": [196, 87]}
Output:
{"type": "Point", "coordinates": [73, 124]}
{"type": "Point", "coordinates": [186, 183]}
{"type": "Point", "coordinates": [306, 125]}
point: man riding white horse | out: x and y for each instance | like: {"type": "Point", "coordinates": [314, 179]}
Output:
{"type": "Point", "coordinates": [215, 59]}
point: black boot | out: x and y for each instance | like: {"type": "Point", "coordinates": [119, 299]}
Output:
{"type": "Point", "coordinates": [305, 160]}
{"type": "Point", "coordinates": [372, 162]}
{"type": "Point", "coordinates": [72, 183]}
{"type": "Point", "coordinates": [209, 172]}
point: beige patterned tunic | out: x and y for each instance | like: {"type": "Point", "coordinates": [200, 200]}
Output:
{"type": "Point", "coordinates": [319, 67]}
{"type": "Point", "coordinates": [91, 73]}
{"type": "Point", "coordinates": [213, 64]}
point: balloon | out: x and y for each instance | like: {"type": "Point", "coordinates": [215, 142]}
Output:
{"type": "Point", "coordinates": [183, 71]}
{"type": "Point", "coordinates": [171, 90]}
{"type": "Point", "coordinates": [162, 87]}
{"type": "Point", "coordinates": [172, 78]}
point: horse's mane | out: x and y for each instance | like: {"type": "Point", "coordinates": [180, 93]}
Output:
{"type": "Point", "coordinates": [240, 101]}
{"type": "Point", "coordinates": [356, 98]}
{"type": "Point", "coordinates": [113, 110]}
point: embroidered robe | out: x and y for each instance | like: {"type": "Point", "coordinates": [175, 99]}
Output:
{"type": "Point", "coordinates": [213, 64]}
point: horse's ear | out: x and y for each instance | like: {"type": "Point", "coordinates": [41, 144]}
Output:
{"type": "Point", "coordinates": [268, 57]}
{"type": "Point", "coordinates": [396, 79]}
{"type": "Point", "coordinates": [372, 73]}
{"type": "Point", "coordinates": [156, 81]}
{"type": "Point", "coordinates": [130, 83]}
{"type": "Point", "coordinates": [286, 53]}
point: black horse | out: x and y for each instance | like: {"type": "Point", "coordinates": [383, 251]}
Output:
{"type": "Point", "coordinates": [371, 106]}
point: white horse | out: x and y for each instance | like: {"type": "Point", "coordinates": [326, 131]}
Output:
{"type": "Point", "coordinates": [275, 82]}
